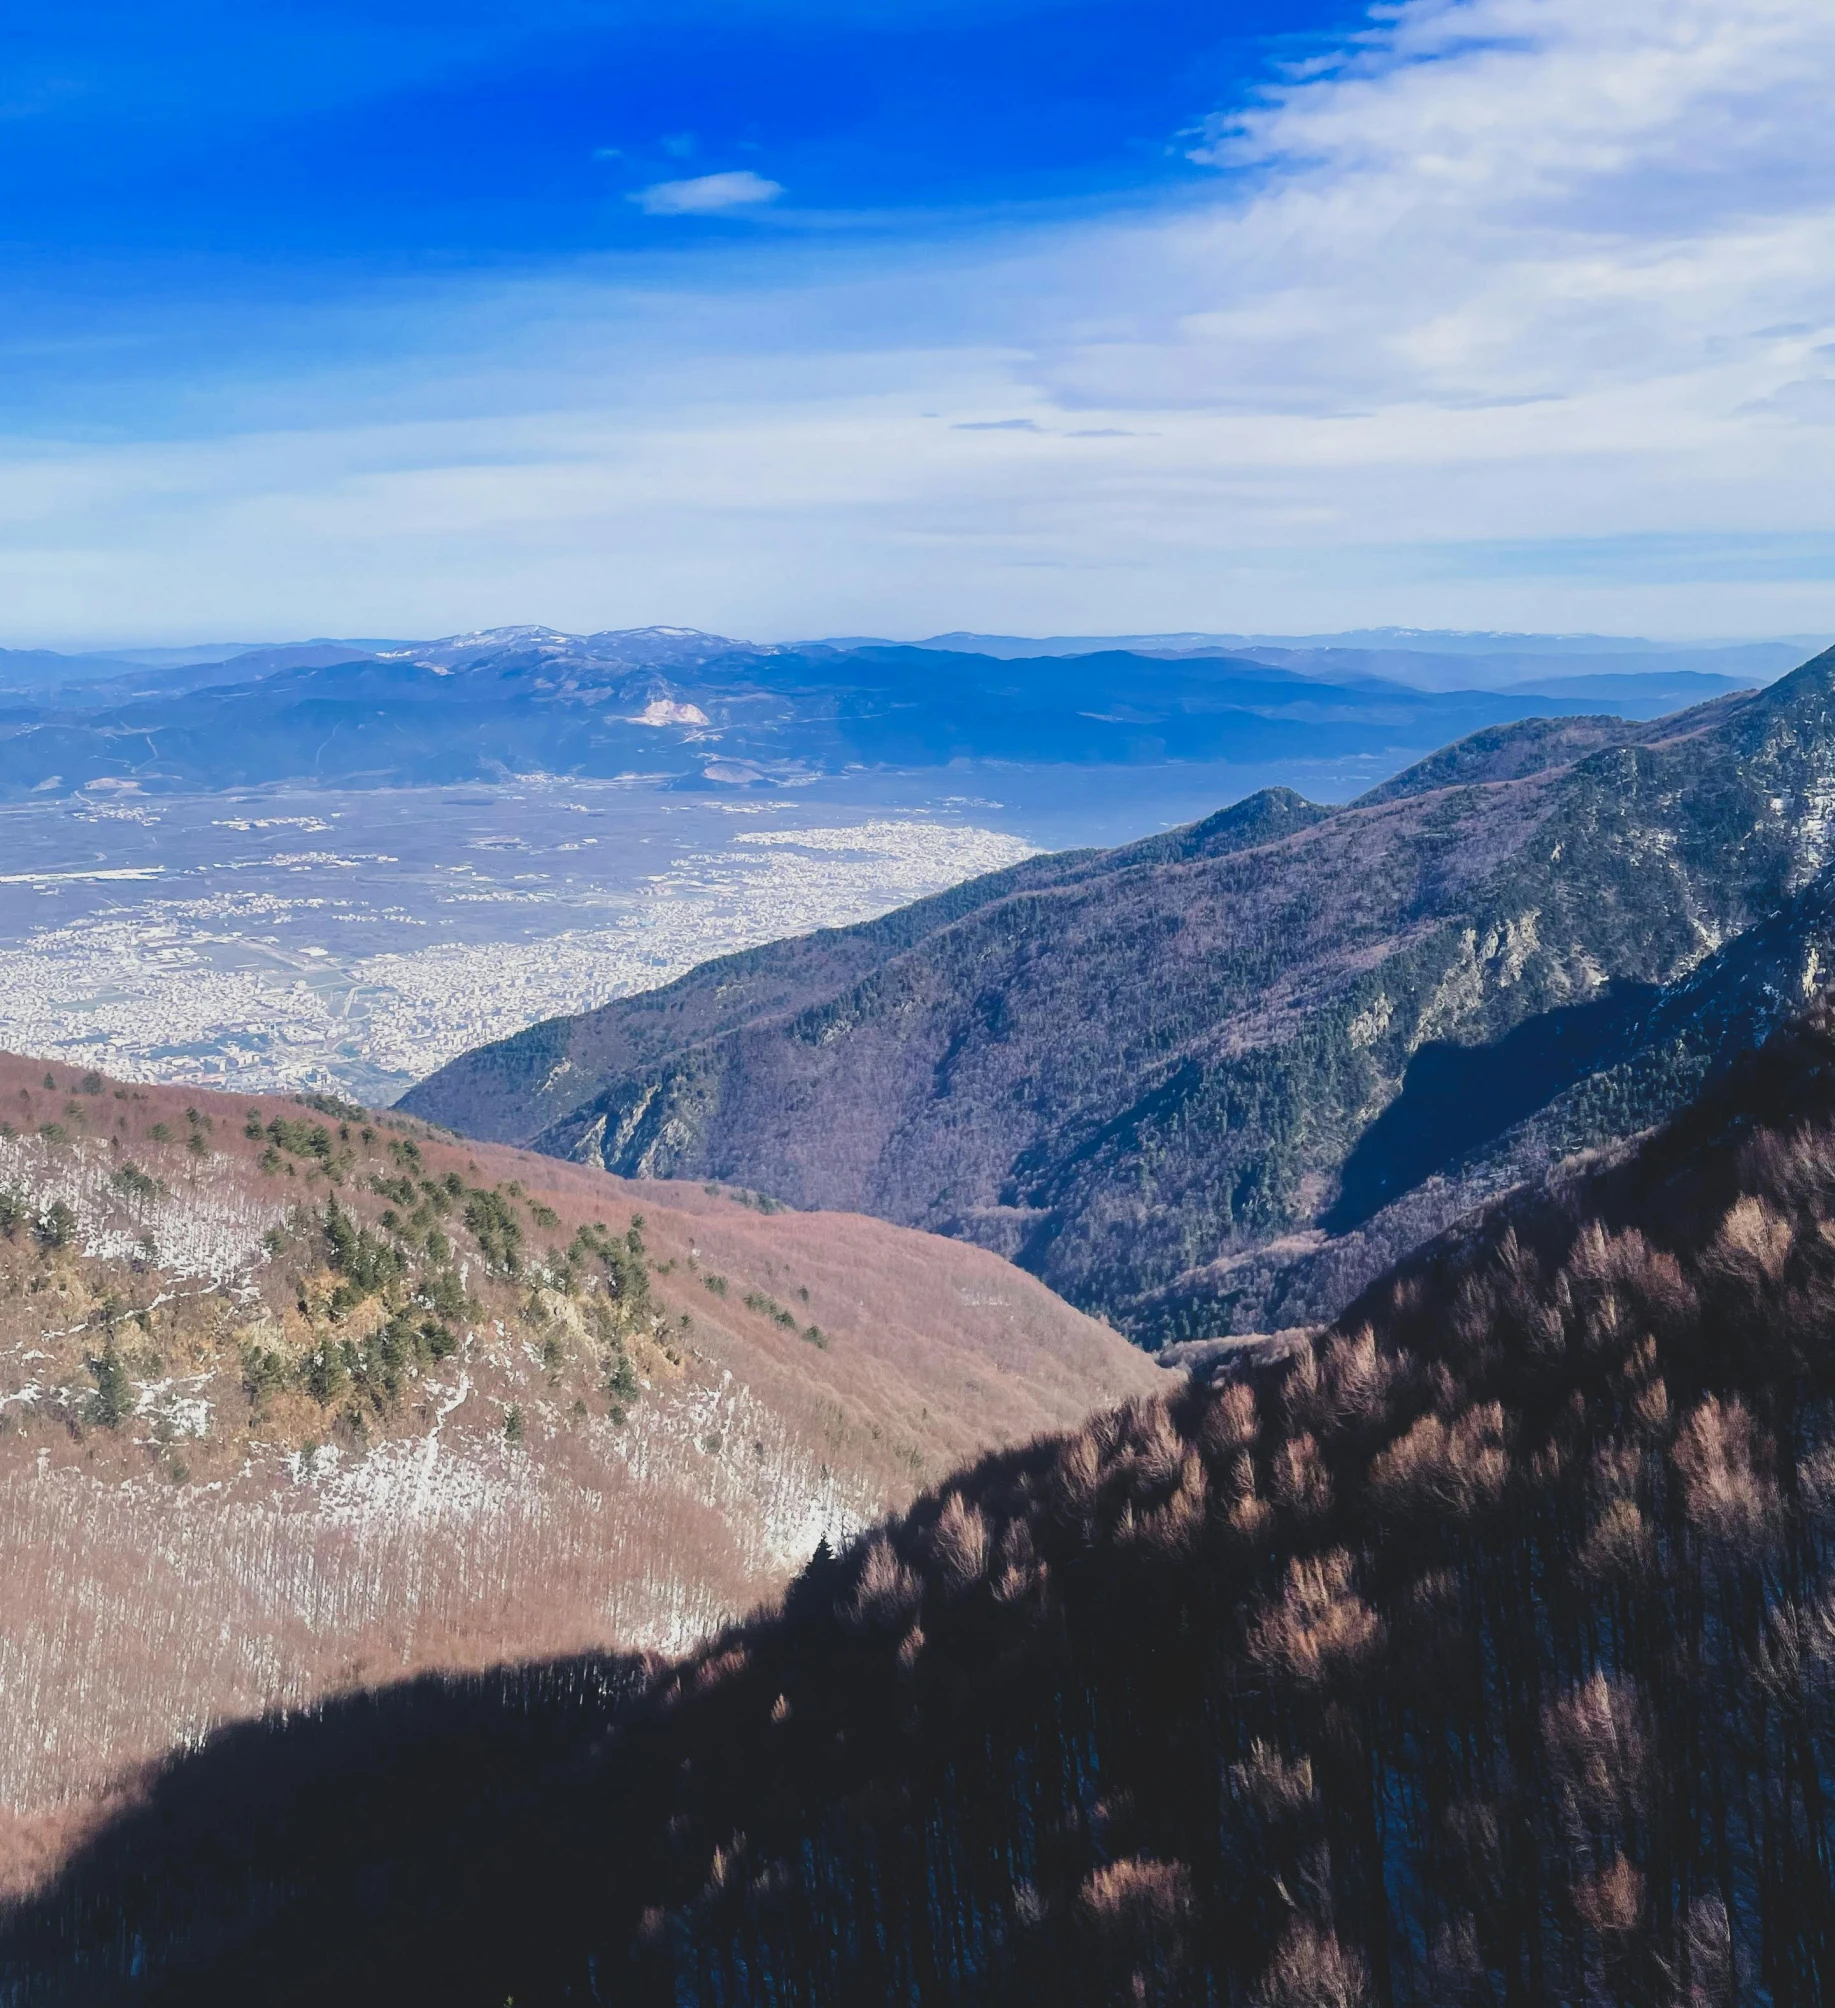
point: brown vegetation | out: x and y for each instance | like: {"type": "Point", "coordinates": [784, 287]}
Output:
{"type": "Point", "coordinates": [242, 1468]}
{"type": "Point", "coordinates": [1482, 1652]}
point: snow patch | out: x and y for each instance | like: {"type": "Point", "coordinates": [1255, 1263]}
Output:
{"type": "Point", "coordinates": [208, 1227]}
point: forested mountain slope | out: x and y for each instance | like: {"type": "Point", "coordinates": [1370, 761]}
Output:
{"type": "Point", "coordinates": [293, 1398]}
{"type": "Point", "coordinates": [1215, 1080]}
{"type": "Point", "coordinates": [1482, 1652]}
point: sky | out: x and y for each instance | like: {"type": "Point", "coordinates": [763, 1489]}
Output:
{"type": "Point", "coordinates": [794, 317]}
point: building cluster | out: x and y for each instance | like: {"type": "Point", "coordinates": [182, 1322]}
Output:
{"type": "Point", "coordinates": [262, 990]}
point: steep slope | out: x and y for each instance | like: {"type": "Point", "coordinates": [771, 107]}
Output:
{"type": "Point", "coordinates": [512, 1090]}
{"type": "Point", "coordinates": [290, 1398]}
{"type": "Point", "coordinates": [1469, 1122]}
{"type": "Point", "coordinates": [1481, 1651]}
{"type": "Point", "coordinates": [1148, 1077]}
{"type": "Point", "coordinates": [507, 1091]}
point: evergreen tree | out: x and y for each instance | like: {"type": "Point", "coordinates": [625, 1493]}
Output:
{"type": "Point", "coordinates": [113, 1401]}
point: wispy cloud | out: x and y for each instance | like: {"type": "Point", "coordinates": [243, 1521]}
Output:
{"type": "Point", "coordinates": [1490, 201]}
{"type": "Point", "coordinates": [1519, 313]}
{"type": "Point", "coordinates": [707, 194]}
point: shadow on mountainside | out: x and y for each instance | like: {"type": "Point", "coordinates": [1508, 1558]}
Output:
{"type": "Point", "coordinates": [1455, 1097]}
{"type": "Point", "coordinates": [386, 1844]}
{"type": "Point", "coordinates": [1481, 1651]}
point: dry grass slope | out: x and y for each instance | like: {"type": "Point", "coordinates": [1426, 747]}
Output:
{"type": "Point", "coordinates": [525, 1409]}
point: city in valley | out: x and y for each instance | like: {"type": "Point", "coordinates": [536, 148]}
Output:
{"type": "Point", "coordinates": [352, 942]}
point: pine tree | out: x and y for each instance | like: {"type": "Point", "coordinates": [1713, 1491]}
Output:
{"type": "Point", "coordinates": [114, 1397]}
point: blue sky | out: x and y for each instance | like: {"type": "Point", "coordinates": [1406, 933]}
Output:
{"type": "Point", "coordinates": [798, 318]}
{"type": "Point", "coordinates": [388, 137]}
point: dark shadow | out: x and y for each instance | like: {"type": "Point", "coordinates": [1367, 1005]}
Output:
{"type": "Point", "coordinates": [407, 1844]}
{"type": "Point", "coordinates": [1455, 1098]}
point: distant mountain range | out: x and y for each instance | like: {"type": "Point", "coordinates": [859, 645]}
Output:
{"type": "Point", "coordinates": [705, 711]}
{"type": "Point", "coordinates": [1215, 1080]}
{"type": "Point", "coordinates": [1430, 659]}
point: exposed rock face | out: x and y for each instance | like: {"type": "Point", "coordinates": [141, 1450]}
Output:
{"type": "Point", "coordinates": [1214, 1081]}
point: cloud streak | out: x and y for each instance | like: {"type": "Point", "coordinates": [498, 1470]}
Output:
{"type": "Point", "coordinates": [707, 194]}
{"type": "Point", "coordinates": [1501, 200]}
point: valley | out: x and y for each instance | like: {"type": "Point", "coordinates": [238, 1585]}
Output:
{"type": "Point", "coordinates": [917, 1004]}
{"type": "Point", "coordinates": [342, 940]}
{"type": "Point", "coordinates": [1185, 1081]}
{"type": "Point", "coordinates": [709, 1423]}
{"type": "Point", "coordinates": [1477, 1649]}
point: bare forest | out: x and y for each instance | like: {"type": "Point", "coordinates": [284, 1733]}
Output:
{"type": "Point", "coordinates": [295, 1400]}
{"type": "Point", "coordinates": [1482, 1651]}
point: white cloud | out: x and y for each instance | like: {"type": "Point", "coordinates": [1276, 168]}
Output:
{"type": "Point", "coordinates": [1504, 199]}
{"type": "Point", "coordinates": [1517, 286]}
{"type": "Point", "coordinates": [707, 194]}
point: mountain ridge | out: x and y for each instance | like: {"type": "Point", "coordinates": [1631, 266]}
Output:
{"type": "Point", "coordinates": [699, 710]}
{"type": "Point", "coordinates": [1118, 1070]}
{"type": "Point", "coordinates": [292, 1394]}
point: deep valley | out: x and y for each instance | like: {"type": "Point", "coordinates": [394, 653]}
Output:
{"type": "Point", "coordinates": [1201, 1083]}
{"type": "Point", "coordinates": [682, 1507]}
